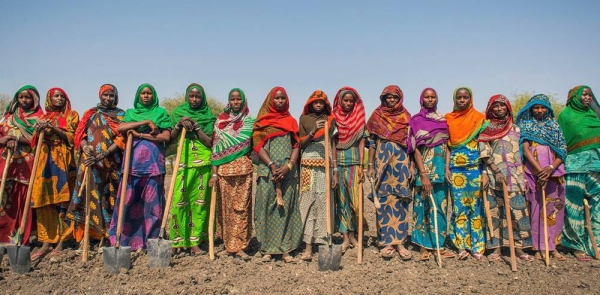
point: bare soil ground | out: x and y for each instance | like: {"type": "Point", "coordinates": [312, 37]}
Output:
{"type": "Point", "coordinates": [66, 274]}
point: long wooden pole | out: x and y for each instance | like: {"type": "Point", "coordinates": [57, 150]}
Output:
{"type": "Point", "coordinates": [360, 221]}
{"type": "Point", "coordinates": [169, 199]}
{"type": "Point", "coordinates": [509, 227]}
{"type": "Point", "coordinates": [328, 184]}
{"type": "Point", "coordinates": [4, 173]}
{"type": "Point", "coordinates": [545, 221]}
{"type": "Point", "coordinates": [124, 180]}
{"type": "Point", "coordinates": [36, 160]}
{"type": "Point", "coordinates": [87, 179]}
{"type": "Point", "coordinates": [211, 223]}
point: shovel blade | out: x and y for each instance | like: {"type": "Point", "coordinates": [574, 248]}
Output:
{"type": "Point", "coordinates": [20, 258]}
{"type": "Point", "coordinates": [330, 257]}
{"type": "Point", "coordinates": [159, 253]}
{"type": "Point", "coordinates": [116, 258]}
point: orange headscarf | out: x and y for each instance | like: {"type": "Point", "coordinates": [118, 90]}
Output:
{"type": "Point", "coordinates": [466, 124]}
{"type": "Point", "coordinates": [271, 123]}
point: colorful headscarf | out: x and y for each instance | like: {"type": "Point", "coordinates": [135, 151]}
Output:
{"type": "Point", "coordinates": [498, 127]}
{"type": "Point", "coordinates": [271, 123]}
{"type": "Point", "coordinates": [110, 114]}
{"type": "Point", "coordinates": [233, 132]}
{"type": "Point", "coordinates": [57, 115]}
{"type": "Point", "coordinates": [308, 119]}
{"type": "Point", "coordinates": [580, 124]}
{"type": "Point", "coordinates": [464, 125]}
{"type": "Point", "coordinates": [24, 119]}
{"type": "Point", "coordinates": [351, 126]}
{"type": "Point", "coordinates": [153, 112]}
{"type": "Point", "coordinates": [390, 123]}
{"type": "Point", "coordinates": [428, 127]}
{"type": "Point", "coordinates": [545, 131]}
{"type": "Point", "coordinates": [201, 115]}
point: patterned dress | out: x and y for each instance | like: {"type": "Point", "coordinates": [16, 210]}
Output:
{"type": "Point", "coordinates": [313, 204]}
{"type": "Point", "coordinates": [346, 195]}
{"type": "Point", "coordinates": [191, 197]}
{"type": "Point", "coordinates": [278, 228]}
{"type": "Point", "coordinates": [392, 189]}
{"type": "Point", "coordinates": [144, 196]}
{"type": "Point", "coordinates": [555, 199]}
{"type": "Point", "coordinates": [106, 176]}
{"type": "Point", "coordinates": [55, 182]}
{"type": "Point", "coordinates": [505, 153]}
{"type": "Point", "coordinates": [423, 230]}
{"type": "Point", "coordinates": [466, 227]}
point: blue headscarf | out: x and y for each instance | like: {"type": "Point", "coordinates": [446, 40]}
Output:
{"type": "Point", "coordinates": [545, 131]}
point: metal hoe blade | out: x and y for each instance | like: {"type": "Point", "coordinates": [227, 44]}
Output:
{"type": "Point", "coordinates": [20, 258]}
{"type": "Point", "coordinates": [116, 258]}
{"type": "Point", "coordinates": [159, 253]}
{"type": "Point", "coordinates": [330, 257]}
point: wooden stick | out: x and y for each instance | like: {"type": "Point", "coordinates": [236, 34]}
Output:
{"type": "Point", "coordinates": [328, 183]}
{"type": "Point", "coordinates": [547, 251]}
{"type": "Point", "coordinates": [511, 238]}
{"type": "Point", "coordinates": [4, 173]}
{"type": "Point", "coordinates": [124, 180]}
{"type": "Point", "coordinates": [83, 182]}
{"type": "Point", "coordinates": [211, 224]}
{"type": "Point", "coordinates": [360, 222]}
{"type": "Point", "coordinates": [34, 169]}
{"type": "Point", "coordinates": [435, 226]}
{"type": "Point", "coordinates": [173, 180]}
{"type": "Point", "coordinates": [486, 207]}
{"type": "Point", "coordinates": [86, 228]}
{"type": "Point", "coordinates": [588, 225]}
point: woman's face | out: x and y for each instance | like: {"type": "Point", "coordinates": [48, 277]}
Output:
{"type": "Point", "coordinates": [194, 98]}
{"type": "Point", "coordinates": [586, 97]}
{"type": "Point", "coordinates": [25, 100]}
{"type": "Point", "coordinates": [58, 99]}
{"type": "Point", "coordinates": [539, 111]}
{"type": "Point", "coordinates": [108, 98]}
{"type": "Point", "coordinates": [235, 101]}
{"type": "Point", "coordinates": [429, 99]}
{"type": "Point", "coordinates": [318, 106]}
{"type": "Point", "coordinates": [279, 100]}
{"type": "Point", "coordinates": [391, 100]}
{"type": "Point", "coordinates": [347, 102]}
{"type": "Point", "coordinates": [463, 99]}
{"type": "Point", "coordinates": [146, 96]}
{"type": "Point", "coordinates": [499, 109]}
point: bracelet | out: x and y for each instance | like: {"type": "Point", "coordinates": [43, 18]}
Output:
{"type": "Point", "coordinates": [141, 135]}
{"type": "Point", "coordinates": [552, 166]}
{"type": "Point", "coordinates": [423, 173]}
{"type": "Point", "coordinates": [270, 163]}
{"type": "Point", "coordinates": [311, 134]}
{"type": "Point", "coordinates": [289, 165]}
{"type": "Point", "coordinates": [214, 175]}
{"type": "Point", "coordinates": [335, 169]}
{"type": "Point", "coordinates": [370, 164]}
{"type": "Point", "coordinates": [498, 172]}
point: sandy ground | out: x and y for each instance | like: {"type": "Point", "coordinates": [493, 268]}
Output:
{"type": "Point", "coordinates": [66, 274]}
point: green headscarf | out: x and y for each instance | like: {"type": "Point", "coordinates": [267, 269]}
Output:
{"type": "Point", "coordinates": [153, 112]}
{"type": "Point", "coordinates": [580, 124]}
{"type": "Point", "coordinates": [25, 119]}
{"type": "Point", "coordinates": [201, 115]}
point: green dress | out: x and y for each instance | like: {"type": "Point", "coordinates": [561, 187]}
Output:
{"type": "Point", "coordinates": [191, 198]}
{"type": "Point", "coordinates": [278, 229]}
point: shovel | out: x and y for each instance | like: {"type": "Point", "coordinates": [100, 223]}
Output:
{"type": "Point", "coordinates": [118, 257]}
{"type": "Point", "coordinates": [4, 172]}
{"type": "Point", "coordinates": [374, 192]}
{"type": "Point", "coordinates": [19, 255]}
{"type": "Point", "coordinates": [159, 250]}
{"type": "Point", "coordinates": [330, 256]}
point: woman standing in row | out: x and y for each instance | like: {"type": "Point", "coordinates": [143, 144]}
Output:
{"type": "Point", "coordinates": [191, 197]}
{"type": "Point", "coordinates": [391, 171]}
{"type": "Point", "coordinates": [544, 151]}
{"type": "Point", "coordinates": [313, 205]}
{"type": "Point", "coordinates": [349, 113]}
{"type": "Point", "coordinates": [463, 173]}
{"type": "Point", "coordinates": [100, 146]}
{"type": "Point", "coordinates": [232, 173]}
{"type": "Point", "coordinates": [149, 125]}
{"type": "Point", "coordinates": [16, 133]}
{"type": "Point", "coordinates": [277, 214]}
{"type": "Point", "coordinates": [57, 171]}
{"type": "Point", "coordinates": [428, 138]}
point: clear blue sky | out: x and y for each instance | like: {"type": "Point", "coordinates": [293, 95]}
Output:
{"type": "Point", "coordinates": [490, 46]}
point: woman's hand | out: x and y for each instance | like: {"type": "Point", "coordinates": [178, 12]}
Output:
{"type": "Point", "coordinates": [11, 144]}
{"type": "Point", "coordinates": [213, 180]}
{"type": "Point", "coordinates": [4, 140]}
{"type": "Point", "coordinates": [334, 180]}
{"type": "Point", "coordinates": [88, 150]}
{"type": "Point", "coordinates": [426, 184]}
{"type": "Point", "coordinates": [361, 174]}
{"type": "Point", "coordinates": [40, 125]}
{"type": "Point", "coordinates": [499, 178]}
{"type": "Point", "coordinates": [186, 123]}
{"type": "Point", "coordinates": [153, 128]}
{"type": "Point", "coordinates": [371, 173]}
{"type": "Point", "coordinates": [448, 175]}
{"type": "Point", "coordinates": [319, 124]}
{"type": "Point", "coordinates": [545, 173]}
{"type": "Point", "coordinates": [134, 133]}
{"type": "Point", "coordinates": [89, 161]}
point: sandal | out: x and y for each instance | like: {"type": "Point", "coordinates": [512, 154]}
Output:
{"type": "Point", "coordinates": [478, 256]}
{"type": "Point", "coordinates": [387, 252]}
{"type": "Point", "coordinates": [306, 256]}
{"type": "Point", "coordinates": [241, 254]}
{"type": "Point", "coordinates": [538, 256]}
{"type": "Point", "coordinates": [556, 255]}
{"type": "Point", "coordinates": [463, 255]}
{"type": "Point", "coordinates": [448, 254]}
{"type": "Point", "coordinates": [425, 256]}
{"type": "Point", "coordinates": [582, 256]}
{"type": "Point", "coordinates": [266, 258]}
{"type": "Point", "coordinates": [494, 257]}
{"type": "Point", "coordinates": [287, 258]}
{"type": "Point", "coordinates": [345, 247]}
{"type": "Point", "coordinates": [405, 254]}
{"type": "Point", "coordinates": [526, 257]}
{"type": "Point", "coordinates": [39, 254]}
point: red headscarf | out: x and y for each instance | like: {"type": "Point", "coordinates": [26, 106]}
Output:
{"type": "Point", "coordinates": [351, 126]}
{"type": "Point", "coordinates": [390, 123]}
{"type": "Point", "coordinates": [271, 123]}
{"type": "Point", "coordinates": [57, 115]}
{"type": "Point", "coordinates": [309, 118]}
{"type": "Point", "coordinates": [498, 127]}
{"type": "Point", "coordinates": [110, 115]}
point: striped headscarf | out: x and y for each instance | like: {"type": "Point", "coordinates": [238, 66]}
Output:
{"type": "Point", "coordinates": [498, 127]}
{"type": "Point", "coordinates": [24, 119]}
{"type": "Point", "coordinates": [351, 126]}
